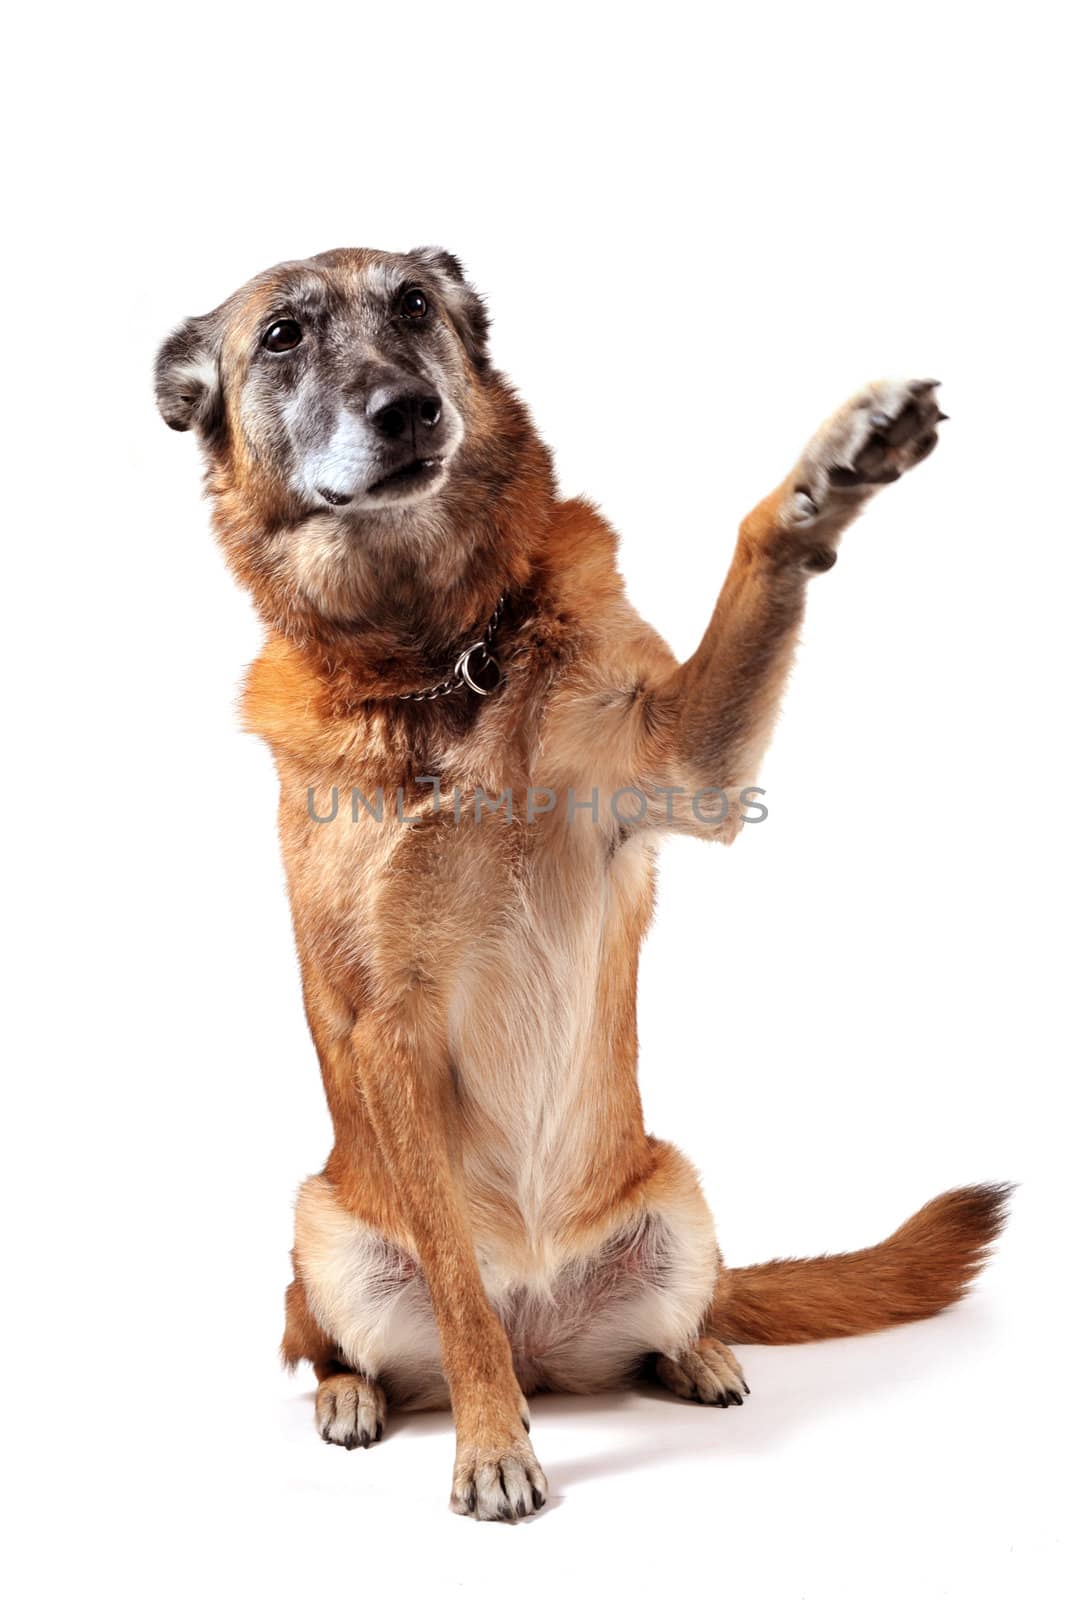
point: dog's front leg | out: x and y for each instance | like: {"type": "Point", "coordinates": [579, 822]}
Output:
{"type": "Point", "coordinates": [403, 1078]}
{"type": "Point", "coordinates": [710, 722]}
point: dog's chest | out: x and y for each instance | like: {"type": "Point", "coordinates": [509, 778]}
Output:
{"type": "Point", "coordinates": [539, 1012]}
{"type": "Point", "coordinates": [520, 938]}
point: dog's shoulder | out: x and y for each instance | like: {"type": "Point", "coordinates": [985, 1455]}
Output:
{"type": "Point", "coordinates": [588, 594]}
{"type": "Point", "coordinates": [581, 559]}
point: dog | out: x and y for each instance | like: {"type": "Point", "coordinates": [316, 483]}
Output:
{"type": "Point", "coordinates": [449, 644]}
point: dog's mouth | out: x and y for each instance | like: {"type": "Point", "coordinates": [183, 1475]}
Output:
{"type": "Point", "coordinates": [415, 473]}
{"type": "Point", "coordinates": [417, 478]}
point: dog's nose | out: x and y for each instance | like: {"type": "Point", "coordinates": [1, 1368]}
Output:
{"type": "Point", "coordinates": [394, 414]}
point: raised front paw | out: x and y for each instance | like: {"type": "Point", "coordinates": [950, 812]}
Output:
{"type": "Point", "coordinates": [881, 432]}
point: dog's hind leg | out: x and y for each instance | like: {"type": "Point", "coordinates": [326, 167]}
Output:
{"type": "Point", "coordinates": [350, 1408]}
{"type": "Point", "coordinates": [708, 1372]}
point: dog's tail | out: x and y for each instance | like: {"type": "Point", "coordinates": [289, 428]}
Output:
{"type": "Point", "coordinates": [921, 1269]}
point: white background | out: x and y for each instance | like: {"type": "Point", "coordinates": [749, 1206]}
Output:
{"type": "Point", "coordinates": [699, 229]}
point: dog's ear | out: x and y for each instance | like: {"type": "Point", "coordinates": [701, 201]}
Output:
{"type": "Point", "coordinates": [465, 305]}
{"type": "Point", "coordinates": [188, 380]}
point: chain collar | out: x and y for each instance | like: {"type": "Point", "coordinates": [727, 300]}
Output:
{"type": "Point", "coordinates": [475, 663]}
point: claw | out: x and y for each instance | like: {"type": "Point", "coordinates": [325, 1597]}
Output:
{"type": "Point", "coordinates": [806, 503]}
{"type": "Point", "coordinates": [924, 385]}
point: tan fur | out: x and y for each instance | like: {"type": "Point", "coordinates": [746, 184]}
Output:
{"type": "Point", "coordinates": [919, 1270]}
{"type": "Point", "coordinates": [493, 1217]}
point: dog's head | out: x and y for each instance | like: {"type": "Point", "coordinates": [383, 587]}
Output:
{"type": "Point", "coordinates": [354, 429]}
{"type": "Point", "coordinates": [345, 379]}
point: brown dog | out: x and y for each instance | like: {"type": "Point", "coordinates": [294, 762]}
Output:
{"type": "Point", "coordinates": [478, 742]}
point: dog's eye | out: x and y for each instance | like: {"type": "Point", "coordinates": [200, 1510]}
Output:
{"type": "Point", "coordinates": [283, 335]}
{"type": "Point", "coordinates": [414, 304]}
